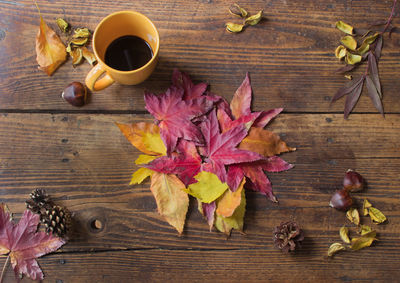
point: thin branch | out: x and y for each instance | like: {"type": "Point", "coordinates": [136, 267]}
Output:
{"type": "Point", "coordinates": [3, 272]}
{"type": "Point", "coordinates": [390, 17]}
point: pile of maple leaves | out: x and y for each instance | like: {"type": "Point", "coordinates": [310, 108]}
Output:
{"type": "Point", "coordinates": [201, 145]}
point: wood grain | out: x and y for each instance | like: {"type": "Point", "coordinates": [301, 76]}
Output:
{"type": "Point", "coordinates": [86, 163]}
{"type": "Point", "coordinates": [289, 55]}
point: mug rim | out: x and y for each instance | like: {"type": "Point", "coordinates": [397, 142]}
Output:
{"type": "Point", "coordinates": [153, 58]}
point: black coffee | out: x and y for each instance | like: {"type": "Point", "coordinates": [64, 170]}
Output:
{"type": "Point", "coordinates": [128, 53]}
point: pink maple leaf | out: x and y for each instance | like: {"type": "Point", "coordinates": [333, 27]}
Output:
{"type": "Point", "coordinates": [183, 81]}
{"type": "Point", "coordinates": [174, 115]}
{"type": "Point", "coordinates": [24, 244]}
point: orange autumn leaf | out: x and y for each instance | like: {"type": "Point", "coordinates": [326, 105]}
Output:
{"type": "Point", "coordinates": [50, 51]}
{"type": "Point", "coordinates": [230, 201]}
{"type": "Point", "coordinates": [264, 142]}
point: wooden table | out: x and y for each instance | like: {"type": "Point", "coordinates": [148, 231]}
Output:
{"type": "Point", "coordinates": [79, 156]}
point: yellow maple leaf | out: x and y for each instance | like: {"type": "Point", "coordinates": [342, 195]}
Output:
{"type": "Point", "coordinates": [208, 187]}
{"type": "Point", "coordinates": [230, 201]}
{"type": "Point", "coordinates": [140, 175]}
{"type": "Point", "coordinates": [226, 224]}
{"type": "Point", "coordinates": [172, 200]}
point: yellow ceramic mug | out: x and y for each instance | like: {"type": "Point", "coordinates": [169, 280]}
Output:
{"type": "Point", "coordinates": [115, 26]}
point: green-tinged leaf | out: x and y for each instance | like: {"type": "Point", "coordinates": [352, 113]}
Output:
{"type": "Point", "coordinates": [81, 32]}
{"type": "Point", "coordinates": [365, 229]}
{"type": "Point", "coordinates": [366, 205]}
{"type": "Point", "coordinates": [364, 241]}
{"type": "Point", "coordinates": [346, 28]}
{"type": "Point", "coordinates": [352, 59]}
{"type": "Point", "coordinates": [364, 48]}
{"type": "Point", "coordinates": [226, 224]}
{"type": "Point", "coordinates": [62, 24]}
{"type": "Point", "coordinates": [334, 248]}
{"type": "Point", "coordinates": [340, 52]}
{"type": "Point", "coordinates": [349, 42]}
{"type": "Point", "coordinates": [208, 188]}
{"type": "Point", "coordinates": [172, 200]}
{"type": "Point", "coordinates": [255, 19]}
{"type": "Point", "coordinates": [376, 215]}
{"type": "Point", "coordinates": [140, 175]}
{"type": "Point", "coordinates": [144, 159]}
{"type": "Point", "coordinates": [344, 235]}
{"type": "Point", "coordinates": [234, 28]}
{"type": "Point", "coordinates": [374, 94]}
{"type": "Point", "coordinates": [229, 201]}
{"type": "Point", "coordinates": [353, 215]}
{"type": "Point", "coordinates": [236, 10]}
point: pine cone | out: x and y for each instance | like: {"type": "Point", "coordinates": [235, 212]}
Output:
{"type": "Point", "coordinates": [39, 201]}
{"type": "Point", "coordinates": [288, 236]}
{"type": "Point", "coordinates": [56, 220]}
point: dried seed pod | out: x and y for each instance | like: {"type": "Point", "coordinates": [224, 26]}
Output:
{"type": "Point", "coordinates": [353, 181]}
{"type": "Point", "coordinates": [341, 200]}
{"type": "Point", "coordinates": [62, 24]}
{"type": "Point", "coordinates": [75, 94]}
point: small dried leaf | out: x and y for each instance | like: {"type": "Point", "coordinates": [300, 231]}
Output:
{"type": "Point", "coordinates": [79, 41]}
{"type": "Point", "coordinates": [373, 69]}
{"type": "Point", "coordinates": [370, 39]}
{"type": "Point", "coordinates": [62, 24]}
{"type": "Point", "coordinates": [365, 229]}
{"type": "Point", "coordinates": [236, 10]}
{"type": "Point", "coordinates": [234, 28]}
{"type": "Point", "coordinates": [374, 94]}
{"type": "Point", "coordinates": [76, 55]}
{"type": "Point", "coordinates": [344, 235]}
{"type": "Point", "coordinates": [366, 205]}
{"type": "Point", "coordinates": [346, 28]}
{"type": "Point", "coordinates": [255, 19]}
{"type": "Point", "coordinates": [81, 32]}
{"type": "Point", "coordinates": [349, 77]}
{"type": "Point", "coordinates": [376, 215]}
{"type": "Point", "coordinates": [363, 48]}
{"type": "Point", "coordinates": [68, 48]}
{"type": "Point", "coordinates": [340, 52]}
{"type": "Point", "coordinates": [352, 59]}
{"type": "Point", "coordinates": [334, 248]}
{"type": "Point", "coordinates": [89, 56]}
{"type": "Point", "coordinates": [353, 215]}
{"type": "Point", "coordinates": [349, 42]}
{"type": "Point", "coordinates": [363, 241]}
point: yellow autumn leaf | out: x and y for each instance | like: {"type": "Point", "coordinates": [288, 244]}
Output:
{"type": "Point", "coordinates": [172, 200]}
{"type": "Point", "coordinates": [255, 19]}
{"type": "Point", "coordinates": [352, 59]}
{"type": "Point", "coordinates": [346, 28]}
{"type": "Point", "coordinates": [226, 224]}
{"type": "Point", "coordinates": [365, 229]}
{"type": "Point", "coordinates": [264, 142]}
{"type": "Point", "coordinates": [208, 187]}
{"type": "Point", "coordinates": [144, 159]}
{"type": "Point", "coordinates": [344, 235]}
{"type": "Point", "coordinates": [230, 201]}
{"type": "Point", "coordinates": [145, 137]}
{"type": "Point", "coordinates": [50, 51]}
{"type": "Point", "coordinates": [364, 241]}
{"type": "Point", "coordinates": [353, 215]}
{"type": "Point", "coordinates": [334, 248]}
{"type": "Point", "coordinates": [366, 205]}
{"type": "Point", "coordinates": [376, 215]}
{"type": "Point", "coordinates": [140, 175]}
{"type": "Point", "coordinates": [89, 56]}
{"type": "Point", "coordinates": [234, 28]}
{"type": "Point", "coordinates": [340, 52]}
{"type": "Point", "coordinates": [349, 42]}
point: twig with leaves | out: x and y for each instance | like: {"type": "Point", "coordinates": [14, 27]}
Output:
{"type": "Point", "coordinates": [370, 51]}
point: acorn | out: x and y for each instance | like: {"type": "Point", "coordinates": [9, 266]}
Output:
{"type": "Point", "coordinates": [75, 94]}
{"type": "Point", "coordinates": [353, 181]}
{"type": "Point", "coordinates": [341, 200]}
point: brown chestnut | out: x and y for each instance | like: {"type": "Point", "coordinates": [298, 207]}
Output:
{"type": "Point", "coordinates": [353, 181]}
{"type": "Point", "coordinates": [75, 94]}
{"type": "Point", "coordinates": [341, 200]}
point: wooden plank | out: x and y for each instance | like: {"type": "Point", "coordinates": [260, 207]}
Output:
{"type": "Point", "coordinates": [85, 163]}
{"type": "Point", "coordinates": [244, 265]}
{"type": "Point", "coordinates": [290, 55]}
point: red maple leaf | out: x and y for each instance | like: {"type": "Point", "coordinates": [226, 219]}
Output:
{"type": "Point", "coordinates": [254, 171]}
{"type": "Point", "coordinates": [220, 149]}
{"type": "Point", "coordinates": [24, 244]}
{"type": "Point", "coordinates": [183, 81]}
{"type": "Point", "coordinates": [186, 163]}
{"type": "Point", "coordinates": [174, 116]}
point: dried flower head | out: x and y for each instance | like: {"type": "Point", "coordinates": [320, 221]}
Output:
{"type": "Point", "coordinates": [288, 236]}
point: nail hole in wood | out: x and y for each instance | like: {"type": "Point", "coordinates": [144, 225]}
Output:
{"type": "Point", "coordinates": [96, 225]}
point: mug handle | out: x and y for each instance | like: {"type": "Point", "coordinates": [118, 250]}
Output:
{"type": "Point", "coordinates": [94, 83]}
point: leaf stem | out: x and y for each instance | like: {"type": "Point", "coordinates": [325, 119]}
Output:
{"type": "Point", "coordinates": [390, 17]}
{"type": "Point", "coordinates": [4, 269]}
